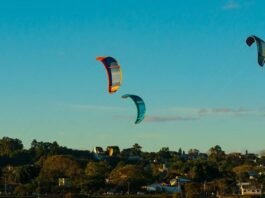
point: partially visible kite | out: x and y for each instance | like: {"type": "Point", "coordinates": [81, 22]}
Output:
{"type": "Point", "coordinates": [113, 71]}
{"type": "Point", "coordinates": [261, 48]}
{"type": "Point", "coordinates": [140, 106]}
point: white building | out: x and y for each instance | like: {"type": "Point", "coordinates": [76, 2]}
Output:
{"type": "Point", "coordinates": [250, 189]}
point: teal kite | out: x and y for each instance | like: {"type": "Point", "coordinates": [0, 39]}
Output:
{"type": "Point", "coordinates": [139, 105]}
{"type": "Point", "coordinates": [261, 48]}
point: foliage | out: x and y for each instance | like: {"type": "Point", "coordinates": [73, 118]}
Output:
{"type": "Point", "coordinates": [9, 145]}
{"type": "Point", "coordinates": [38, 169]}
{"type": "Point", "coordinates": [132, 174]}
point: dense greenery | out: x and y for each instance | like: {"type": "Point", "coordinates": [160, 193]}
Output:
{"type": "Point", "coordinates": [38, 169]}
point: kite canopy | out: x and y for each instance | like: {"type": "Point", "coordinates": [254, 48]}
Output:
{"type": "Point", "coordinates": [140, 106]}
{"type": "Point", "coordinates": [113, 71]}
{"type": "Point", "coordinates": [260, 46]}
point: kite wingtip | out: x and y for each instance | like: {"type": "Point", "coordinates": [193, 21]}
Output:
{"type": "Point", "coordinates": [100, 58]}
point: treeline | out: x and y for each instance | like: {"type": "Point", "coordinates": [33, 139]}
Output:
{"type": "Point", "coordinates": [40, 168]}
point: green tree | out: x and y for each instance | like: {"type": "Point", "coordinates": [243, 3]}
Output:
{"type": "Point", "coordinates": [44, 148]}
{"type": "Point", "coordinates": [9, 145]}
{"type": "Point", "coordinates": [97, 169]}
{"type": "Point", "coordinates": [216, 154]}
{"type": "Point", "coordinates": [26, 173]}
{"type": "Point", "coordinates": [96, 174]}
{"type": "Point", "coordinates": [241, 171]}
{"type": "Point", "coordinates": [193, 153]}
{"type": "Point", "coordinates": [60, 166]}
{"type": "Point", "coordinates": [226, 185]}
{"type": "Point", "coordinates": [193, 190]}
{"type": "Point", "coordinates": [203, 171]}
{"type": "Point", "coordinates": [129, 174]}
{"type": "Point", "coordinates": [136, 149]}
{"type": "Point", "coordinates": [164, 154]}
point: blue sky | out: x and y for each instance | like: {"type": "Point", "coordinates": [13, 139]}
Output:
{"type": "Point", "coordinates": [187, 59]}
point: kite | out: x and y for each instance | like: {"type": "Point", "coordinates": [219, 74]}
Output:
{"type": "Point", "coordinates": [139, 105]}
{"type": "Point", "coordinates": [261, 48]}
{"type": "Point", "coordinates": [113, 71]}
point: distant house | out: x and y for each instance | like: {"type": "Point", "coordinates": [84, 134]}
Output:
{"type": "Point", "coordinates": [98, 153]}
{"type": "Point", "coordinates": [64, 182]}
{"type": "Point", "coordinates": [179, 181]}
{"type": "Point", "coordinates": [175, 186]}
{"type": "Point", "coordinates": [159, 188]}
{"type": "Point", "coordinates": [250, 189]}
{"type": "Point", "coordinates": [98, 150]}
{"type": "Point", "coordinates": [113, 151]}
{"type": "Point", "coordinates": [163, 169]}
{"type": "Point", "coordinates": [252, 174]}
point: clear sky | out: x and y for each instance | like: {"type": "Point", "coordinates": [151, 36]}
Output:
{"type": "Point", "coordinates": [187, 59]}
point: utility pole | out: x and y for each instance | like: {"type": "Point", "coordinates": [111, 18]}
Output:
{"type": "Point", "coordinates": [261, 189]}
{"type": "Point", "coordinates": [128, 188]}
{"type": "Point", "coordinates": [39, 189]}
{"type": "Point", "coordinates": [5, 187]}
{"type": "Point", "coordinates": [204, 189]}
